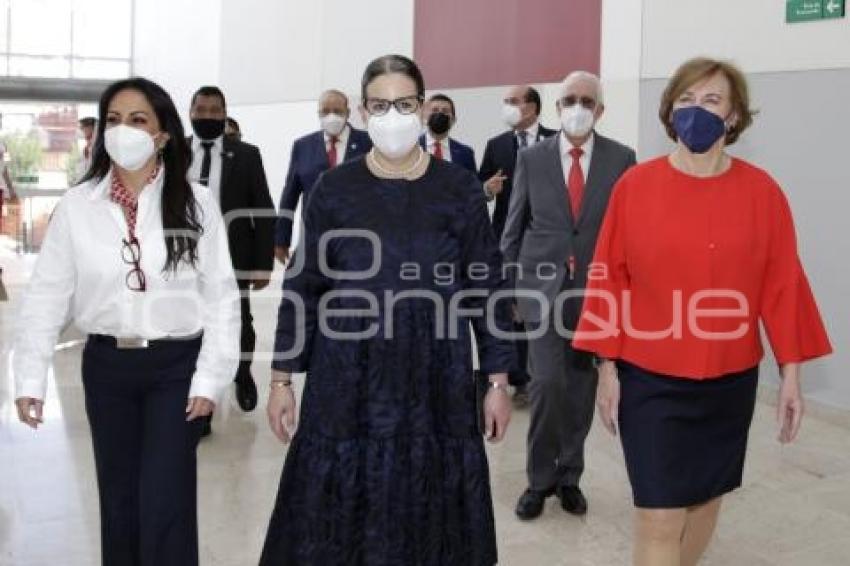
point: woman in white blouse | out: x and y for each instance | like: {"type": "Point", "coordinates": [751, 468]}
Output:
{"type": "Point", "coordinates": [138, 259]}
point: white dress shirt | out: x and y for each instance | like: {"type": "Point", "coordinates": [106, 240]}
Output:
{"type": "Point", "coordinates": [567, 159]}
{"type": "Point", "coordinates": [341, 144]}
{"type": "Point", "coordinates": [80, 275]}
{"type": "Point", "coordinates": [214, 183]}
{"type": "Point", "coordinates": [432, 146]}
{"type": "Point", "coordinates": [531, 135]}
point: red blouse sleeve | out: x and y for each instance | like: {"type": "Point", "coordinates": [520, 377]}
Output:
{"type": "Point", "coordinates": [788, 309]}
{"type": "Point", "coordinates": [600, 325]}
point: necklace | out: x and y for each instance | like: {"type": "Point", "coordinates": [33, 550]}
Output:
{"type": "Point", "coordinates": [413, 172]}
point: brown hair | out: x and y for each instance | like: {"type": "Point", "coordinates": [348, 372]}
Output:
{"type": "Point", "coordinates": [696, 70]}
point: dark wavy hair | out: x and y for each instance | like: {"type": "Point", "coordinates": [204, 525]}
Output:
{"type": "Point", "coordinates": [180, 214]}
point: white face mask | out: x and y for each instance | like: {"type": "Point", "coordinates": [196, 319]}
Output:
{"type": "Point", "coordinates": [130, 148]}
{"type": "Point", "coordinates": [577, 120]}
{"type": "Point", "coordinates": [332, 124]}
{"type": "Point", "coordinates": [395, 134]}
{"type": "Point", "coordinates": [511, 115]}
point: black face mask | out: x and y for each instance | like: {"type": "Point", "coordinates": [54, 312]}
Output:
{"type": "Point", "coordinates": [208, 128]}
{"type": "Point", "coordinates": [439, 123]}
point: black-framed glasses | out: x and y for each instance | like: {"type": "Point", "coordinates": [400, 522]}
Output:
{"type": "Point", "coordinates": [404, 105]}
{"type": "Point", "coordinates": [131, 253]}
{"type": "Point", "coordinates": [572, 100]}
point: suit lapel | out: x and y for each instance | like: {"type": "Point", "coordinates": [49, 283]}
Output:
{"type": "Point", "coordinates": [591, 191]}
{"type": "Point", "coordinates": [353, 146]}
{"type": "Point", "coordinates": [226, 165]}
{"type": "Point", "coordinates": [321, 150]}
{"type": "Point", "coordinates": [514, 150]}
{"type": "Point", "coordinates": [556, 174]}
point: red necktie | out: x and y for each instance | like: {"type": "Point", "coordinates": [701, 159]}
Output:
{"type": "Point", "coordinates": [438, 150]}
{"type": "Point", "coordinates": [575, 183]}
{"type": "Point", "coordinates": [332, 151]}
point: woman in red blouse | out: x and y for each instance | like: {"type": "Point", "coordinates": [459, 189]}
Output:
{"type": "Point", "coordinates": [696, 249]}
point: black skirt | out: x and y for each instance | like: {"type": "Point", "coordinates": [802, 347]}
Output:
{"type": "Point", "coordinates": [684, 440]}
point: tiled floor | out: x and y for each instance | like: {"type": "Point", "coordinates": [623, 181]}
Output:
{"type": "Point", "coordinates": [793, 510]}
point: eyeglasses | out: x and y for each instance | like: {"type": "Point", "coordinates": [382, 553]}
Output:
{"type": "Point", "coordinates": [514, 101]}
{"type": "Point", "coordinates": [571, 100]}
{"type": "Point", "coordinates": [131, 253]}
{"type": "Point", "coordinates": [404, 105]}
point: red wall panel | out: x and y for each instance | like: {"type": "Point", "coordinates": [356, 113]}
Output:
{"type": "Point", "coordinates": [475, 43]}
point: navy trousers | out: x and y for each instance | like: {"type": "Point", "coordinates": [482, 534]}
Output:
{"type": "Point", "coordinates": [144, 450]}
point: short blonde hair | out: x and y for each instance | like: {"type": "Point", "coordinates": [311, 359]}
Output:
{"type": "Point", "coordinates": [701, 68]}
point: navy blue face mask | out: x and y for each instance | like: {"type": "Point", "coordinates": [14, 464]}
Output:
{"type": "Point", "coordinates": [698, 128]}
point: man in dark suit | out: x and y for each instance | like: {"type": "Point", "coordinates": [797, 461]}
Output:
{"type": "Point", "coordinates": [440, 116]}
{"type": "Point", "coordinates": [234, 173]}
{"type": "Point", "coordinates": [560, 194]}
{"type": "Point", "coordinates": [312, 155]}
{"type": "Point", "coordinates": [521, 112]}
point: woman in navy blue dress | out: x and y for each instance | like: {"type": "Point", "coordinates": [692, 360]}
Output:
{"type": "Point", "coordinates": [388, 464]}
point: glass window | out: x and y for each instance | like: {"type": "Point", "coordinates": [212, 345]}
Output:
{"type": "Point", "coordinates": [46, 153]}
{"type": "Point", "coordinates": [102, 28]}
{"type": "Point", "coordinates": [34, 66]}
{"type": "Point", "coordinates": [86, 39]}
{"type": "Point", "coordinates": [4, 25]}
{"type": "Point", "coordinates": [101, 69]}
{"type": "Point", "coordinates": [40, 27]}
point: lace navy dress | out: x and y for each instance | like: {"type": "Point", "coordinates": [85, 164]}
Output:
{"type": "Point", "coordinates": [387, 467]}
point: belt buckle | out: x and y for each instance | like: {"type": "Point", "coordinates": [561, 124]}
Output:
{"type": "Point", "coordinates": [130, 343]}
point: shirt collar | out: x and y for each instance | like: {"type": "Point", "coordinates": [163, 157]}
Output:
{"type": "Point", "coordinates": [566, 146]}
{"type": "Point", "coordinates": [430, 140]}
{"type": "Point", "coordinates": [102, 189]}
{"type": "Point", "coordinates": [532, 131]}
{"type": "Point", "coordinates": [218, 144]}
{"type": "Point", "coordinates": [343, 135]}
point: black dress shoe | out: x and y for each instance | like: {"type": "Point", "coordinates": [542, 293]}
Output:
{"type": "Point", "coordinates": [572, 499]}
{"type": "Point", "coordinates": [530, 504]}
{"type": "Point", "coordinates": [246, 393]}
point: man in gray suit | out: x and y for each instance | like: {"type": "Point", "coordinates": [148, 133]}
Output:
{"type": "Point", "coordinates": [561, 190]}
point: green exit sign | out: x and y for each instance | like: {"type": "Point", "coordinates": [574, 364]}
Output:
{"type": "Point", "coordinates": [812, 10]}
